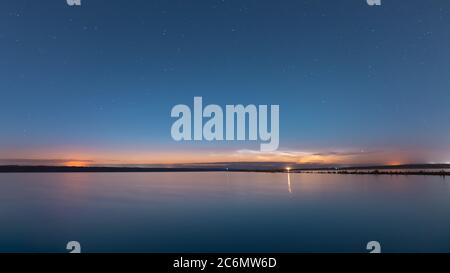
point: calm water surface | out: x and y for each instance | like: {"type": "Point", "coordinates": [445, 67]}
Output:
{"type": "Point", "coordinates": [223, 212]}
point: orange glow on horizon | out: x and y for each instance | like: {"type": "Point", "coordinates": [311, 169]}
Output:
{"type": "Point", "coordinates": [394, 163]}
{"type": "Point", "coordinates": [85, 158]}
{"type": "Point", "coordinates": [76, 164]}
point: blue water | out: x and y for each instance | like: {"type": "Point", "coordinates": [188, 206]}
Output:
{"type": "Point", "coordinates": [223, 212]}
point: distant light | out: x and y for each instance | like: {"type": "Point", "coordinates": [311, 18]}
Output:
{"type": "Point", "coordinates": [288, 169]}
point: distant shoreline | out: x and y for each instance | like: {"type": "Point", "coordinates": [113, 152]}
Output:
{"type": "Point", "coordinates": [416, 169]}
{"type": "Point", "coordinates": [65, 169]}
{"type": "Point", "coordinates": [375, 172]}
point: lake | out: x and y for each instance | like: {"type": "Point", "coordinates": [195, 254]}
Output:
{"type": "Point", "coordinates": [223, 212]}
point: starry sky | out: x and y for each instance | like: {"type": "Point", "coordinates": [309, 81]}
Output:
{"type": "Point", "coordinates": [94, 84]}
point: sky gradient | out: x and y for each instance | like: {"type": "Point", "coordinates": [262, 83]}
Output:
{"type": "Point", "coordinates": [95, 84]}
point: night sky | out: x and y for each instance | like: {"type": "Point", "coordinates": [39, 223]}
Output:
{"type": "Point", "coordinates": [94, 84]}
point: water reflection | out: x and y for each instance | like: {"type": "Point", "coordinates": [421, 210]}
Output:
{"type": "Point", "coordinates": [289, 182]}
{"type": "Point", "coordinates": [223, 212]}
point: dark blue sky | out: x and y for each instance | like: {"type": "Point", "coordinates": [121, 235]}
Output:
{"type": "Point", "coordinates": [354, 83]}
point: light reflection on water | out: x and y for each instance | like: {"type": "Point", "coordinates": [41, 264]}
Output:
{"type": "Point", "coordinates": [223, 212]}
{"type": "Point", "coordinates": [289, 182]}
